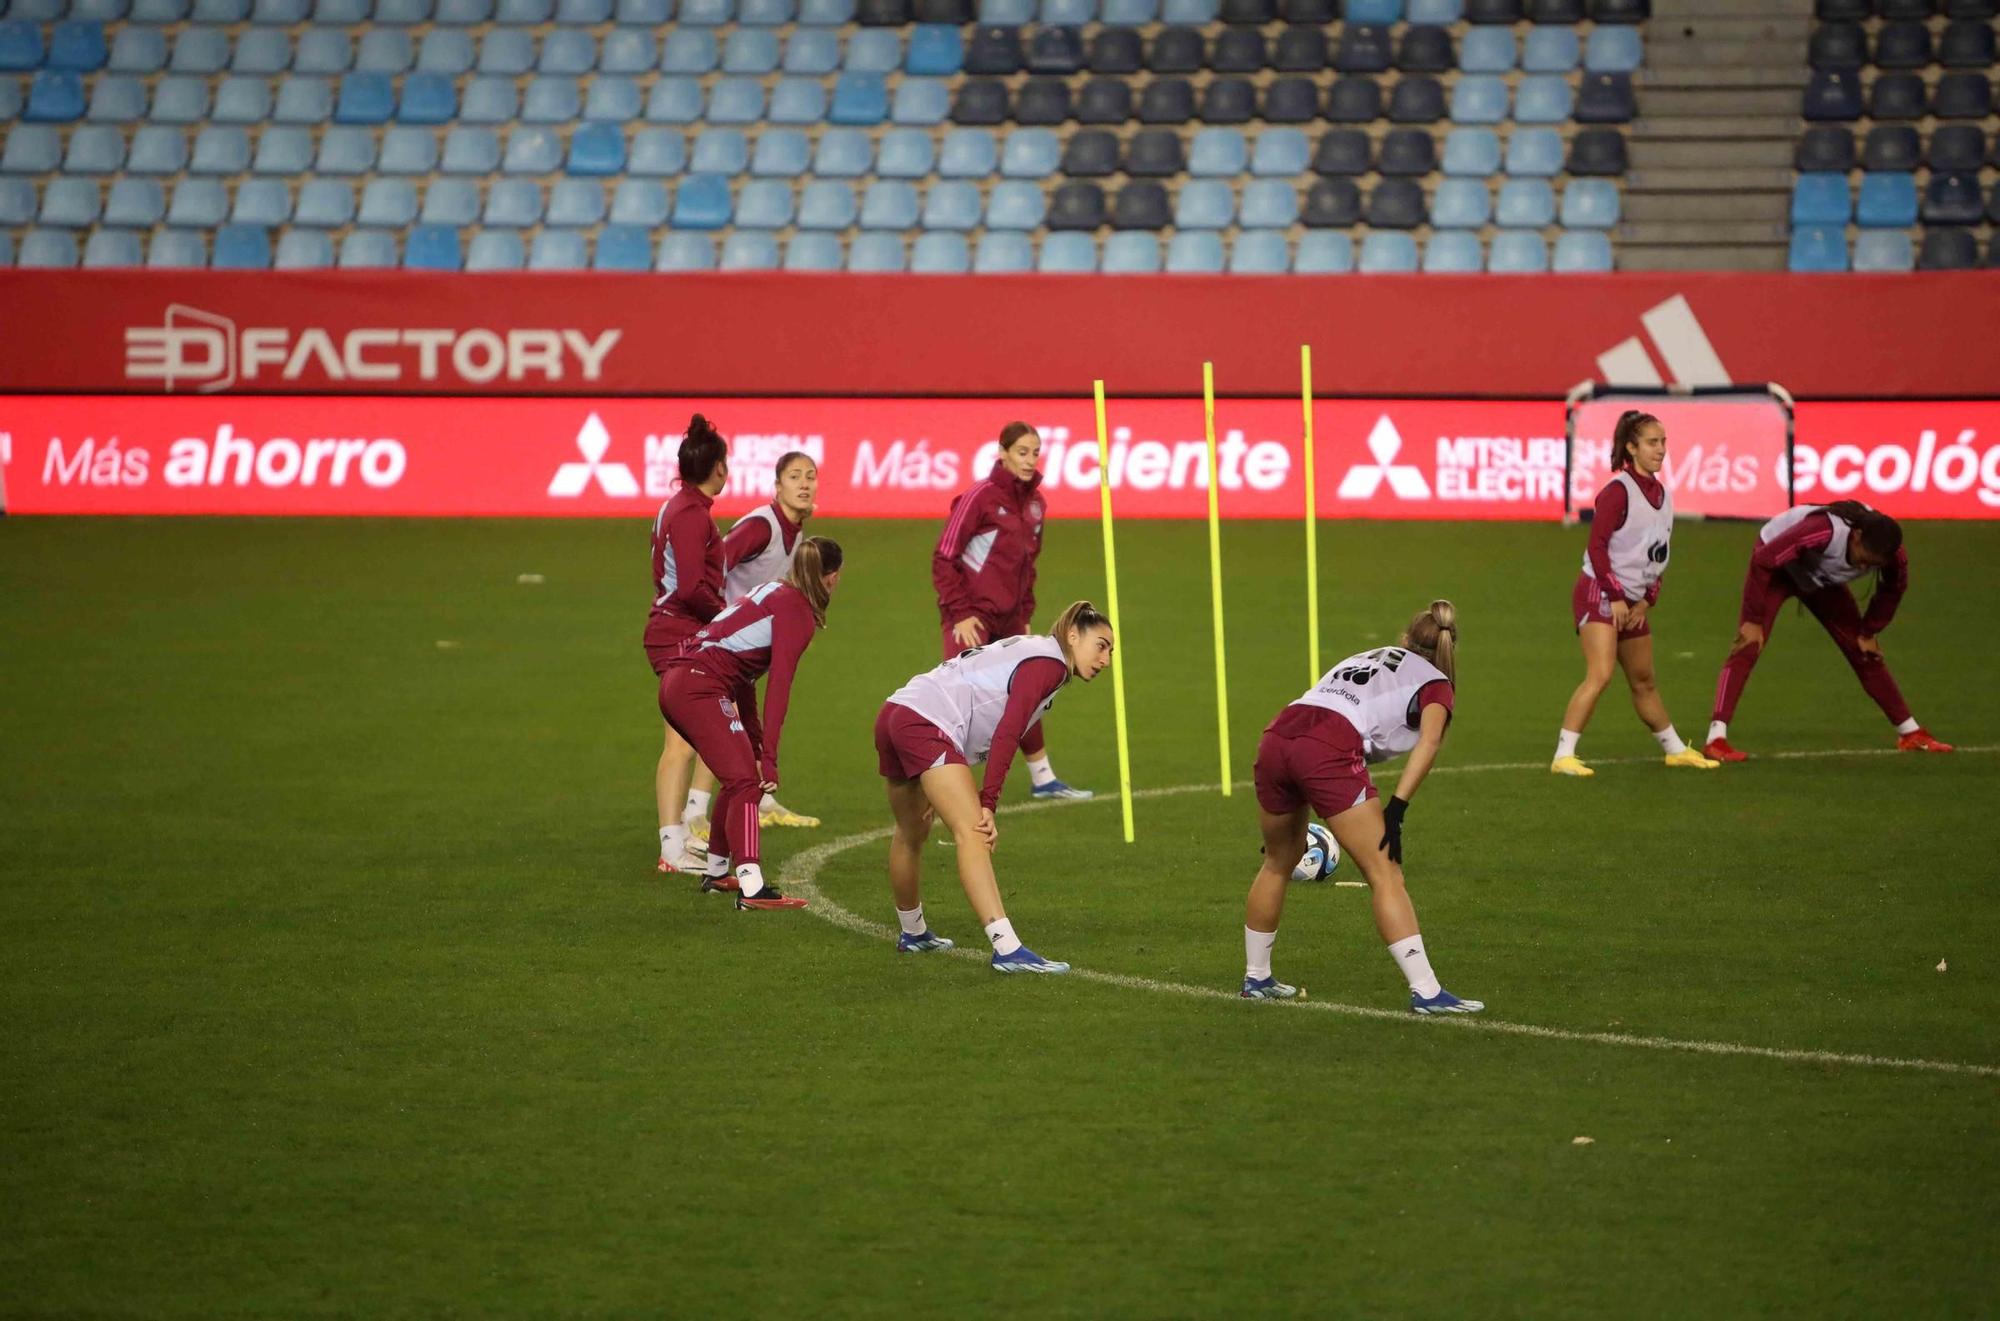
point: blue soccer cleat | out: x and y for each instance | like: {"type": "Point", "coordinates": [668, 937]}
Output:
{"type": "Point", "coordinates": [1269, 988]}
{"type": "Point", "coordinates": [1056, 790]}
{"type": "Point", "coordinates": [921, 943]}
{"type": "Point", "coordinates": [1444, 1002]}
{"type": "Point", "coordinates": [1026, 960]}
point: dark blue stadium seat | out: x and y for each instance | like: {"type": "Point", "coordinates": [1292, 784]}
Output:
{"type": "Point", "coordinates": [1167, 101]}
{"type": "Point", "coordinates": [1896, 96]}
{"type": "Point", "coordinates": [1343, 152]}
{"type": "Point", "coordinates": [1953, 199]}
{"type": "Point", "coordinates": [1891, 147]}
{"type": "Point", "coordinates": [1833, 94]}
{"type": "Point", "coordinates": [1825, 147]}
{"type": "Point", "coordinates": [1078, 205]}
{"type": "Point", "coordinates": [1948, 250]}
{"type": "Point", "coordinates": [1956, 148]}
{"type": "Point", "coordinates": [1963, 96]}
{"type": "Point", "coordinates": [1229, 101]}
{"type": "Point", "coordinates": [1838, 46]}
{"type": "Point", "coordinates": [1141, 204]}
{"type": "Point", "coordinates": [1239, 50]}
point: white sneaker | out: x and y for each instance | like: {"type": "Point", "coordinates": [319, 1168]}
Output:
{"type": "Point", "coordinates": [688, 862]}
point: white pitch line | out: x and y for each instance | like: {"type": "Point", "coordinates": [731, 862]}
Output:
{"type": "Point", "coordinates": [801, 871]}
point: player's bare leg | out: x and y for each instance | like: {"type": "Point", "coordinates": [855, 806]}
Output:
{"type": "Point", "coordinates": [906, 853]}
{"type": "Point", "coordinates": [670, 786]}
{"type": "Point", "coordinates": [1635, 656]}
{"type": "Point", "coordinates": [955, 798]}
{"type": "Point", "coordinates": [1284, 842]}
{"type": "Point", "coordinates": [700, 796]}
{"type": "Point", "coordinates": [1359, 832]}
{"type": "Point", "coordinates": [1599, 643]}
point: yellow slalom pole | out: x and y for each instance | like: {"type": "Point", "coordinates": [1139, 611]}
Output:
{"type": "Point", "coordinates": [1111, 604]}
{"type": "Point", "coordinates": [1312, 519]}
{"type": "Point", "coordinates": [1215, 573]}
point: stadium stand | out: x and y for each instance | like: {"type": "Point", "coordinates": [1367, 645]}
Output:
{"type": "Point", "coordinates": [885, 135]}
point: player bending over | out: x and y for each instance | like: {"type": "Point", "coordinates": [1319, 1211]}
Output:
{"type": "Point", "coordinates": [709, 694]}
{"type": "Point", "coordinates": [977, 706]}
{"type": "Point", "coordinates": [1813, 552]}
{"type": "Point", "coordinates": [1631, 532]}
{"type": "Point", "coordinates": [687, 593]}
{"type": "Point", "coordinates": [758, 550]}
{"type": "Point", "coordinates": [984, 571]}
{"type": "Point", "coordinates": [1316, 755]}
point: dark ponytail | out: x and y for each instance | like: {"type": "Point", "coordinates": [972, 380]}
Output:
{"type": "Point", "coordinates": [702, 448]}
{"type": "Point", "coordinates": [1881, 534]}
{"type": "Point", "coordinates": [1625, 436]}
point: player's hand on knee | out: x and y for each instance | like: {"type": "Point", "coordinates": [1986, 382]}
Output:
{"type": "Point", "coordinates": [1749, 637]}
{"type": "Point", "coordinates": [1392, 829]}
{"type": "Point", "coordinates": [1868, 646]}
{"type": "Point", "coordinates": [989, 829]}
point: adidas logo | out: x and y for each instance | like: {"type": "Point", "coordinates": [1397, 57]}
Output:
{"type": "Point", "coordinates": [1682, 345]}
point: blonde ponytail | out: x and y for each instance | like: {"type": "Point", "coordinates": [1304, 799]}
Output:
{"type": "Point", "coordinates": [812, 560]}
{"type": "Point", "coordinates": [1433, 634]}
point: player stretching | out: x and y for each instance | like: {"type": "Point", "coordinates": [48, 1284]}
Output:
{"type": "Point", "coordinates": [758, 550]}
{"type": "Point", "coordinates": [1630, 533]}
{"type": "Point", "coordinates": [687, 593]}
{"type": "Point", "coordinates": [984, 571]}
{"type": "Point", "coordinates": [978, 706]}
{"type": "Point", "coordinates": [709, 694]}
{"type": "Point", "coordinates": [1813, 552]}
{"type": "Point", "coordinates": [1316, 754]}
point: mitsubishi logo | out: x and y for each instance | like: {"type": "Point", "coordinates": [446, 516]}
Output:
{"type": "Point", "coordinates": [1364, 479]}
{"type": "Point", "coordinates": [572, 479]}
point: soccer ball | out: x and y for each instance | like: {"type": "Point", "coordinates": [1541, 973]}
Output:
{"type": "Point", "coordinates": [1322, 855]}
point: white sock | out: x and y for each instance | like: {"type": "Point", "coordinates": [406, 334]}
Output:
{"type": "Point", "coordinates": [1717, 729]}
{"type": "Point", "coordinates": [1566, 743]}
{"type": "Point", "coordinates": [697, 803]}
{"type": "Point", "coordinates": [749, 880]}
{"type": "Point", "coordinates": [1909, 726]}
{"type": "Point", "coordinates": [1410, 957]}
{"type": "Point", "coordinates": [1670, 742]}
{"type": "Point", "coordinates": [912, 921]}
{"type": "Point", "coordinates": [1039, 770]}
{"type": "Point", "coordinates": [1257, 953]}
{"type": "Point", "coordinates": [768, 803]}
{"type": "Point", "coordinates": [718, 866]}
{"type": "Point", "coordinates": [673, 840]}
{"type": "Point", "coordinates": [1001, 932]}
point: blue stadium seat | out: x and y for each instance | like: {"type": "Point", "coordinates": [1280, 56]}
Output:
{"type": "Point", "coordinates": [241, 248]}
{"type": "Point", "coordinates": [1189, 11]}
{"type": "Point", "coordinates": [1459, 203]}
{"type": "Point", "coordinates": [1129, 13]}
{"type": "Point", "coordinates": [341, 151]}
{"type": "Point", "coordinates": [720, 151]}
{"type": "Point", "coordinates": [920, 101]}
{"type": "Point", "coordinates": [781, 153]}
{"type": "Point", "coordinates": [873, 50]}
{"type": "Point", "coordinates": [1883, 251]}
{"type": "Point", "coordinates": [326, 51]}
{"type": "Point", "coordinates": [385, 50]}
{"type": "Point", "coordinates": [750, 51]}
{"type": "Point", "coordinates": [827, 204]}
{"type": "Point", "coordinates": [494, 250]}
{"type": "Point", "coordinates": [1067, 253]}
{"type": "Point", "coordinates": [280, 13]}
{"type": "Point", "coordinates": [508, 52]}
{"type": "Point", "coordinates": [567, 53]}
{"type": "Point", "coordinates": [20, 46]}
{"type": "Point", "coordinates": [513, 204]}
{"type": "Point", "coordinates": [905, 153]}
{"type": "Point", "coordinates": [303, 250]}
{"type": "Point", "coordinates": [532, 151]}
{"type": "Point", "coordinates": [1387, 252]}
{"type": "Point", "coordinates": [1478, 99]}
{"type": "Point", "coordinates": [812, 51]}
{"type": "Point", "coordinates": [890, 204]}
{"type": "Point", "coordinates": [323, 203]}
{"type": "Point", "coordinates": [1373, 11]}
{"type": "Point", "coordinates": [200, 50]}
{"type": "Point", "coordinates": [1205, 204]}
{"type": "Point", "coordinates": [582, 13]}
{"type": "Point", "coordinates": [1489, 50]}
{"type": "Point", "coordinates": [951, 204]}
{"type": "Point", "coordinates": [453, 202]}
{"type": "Point", "coordinates": [940, 254]}
{"type": "Point", "coordinates": [1131, 253]}
{"type": "Point", "coordinates": [70, 203]}
{"type": "Point", "coordinates": [597, 150]}
{"type": "Point", "coordinates": [470, 149]}
{"type": "Point", "coordinates": [1535, 153]}
{"type": "Point", "coordinates": [656, 152]}
{"type": "Point", "coordinates": [156, 149]}
{"type": "Point", "coordinates": [1821, 199]}
{"type": "Point", "coordinates": [1016, 204]}
{"type": "Point", "coordinates": [176, 248]}
{"type": "Point", "coordinates": [365, 98]}
{"type": "Point", "coordinates": [110, 11]}
{"type": "Point", "coordinates": [876, 253]}
{"type": "Point", "coordinates": [685, 252]}
{"type": "Point", "coordinates": [54, 97]}
{"type": "Point", "coordinates": [1072, 13]}
{"type": "Point", "coordinates": [391, 203]}
{"type": "Point", "coordinates": [1006, 13]}
{"type": "Point", "coordinates": [150, 11]}
{"type": "Point", "coordinates": [1257, 252]}
{"type": "Point", "coordinates": [221, 149]}
{"type": "Point", "coordinates": [463, 13]}
{"type": "Point", "coordinates": [628, 52]}
{"type": "Point", "coordinates": [262, 51]}
{"type": "Point", "coordinates": [1003, 254]}
{"type": "Point", "coordinates": [750, 250]}
{"type": "Point", "coordinates": [1525, 204]}
{"type": "Point", "coordinates": [132, 203]}
{"type": "Point", "coordinates": [643, 202]}
{"type": "Point", "coordinates": [825, 13]}
{"type": "Point", "coordinates": [1030, 153]}
{"type": "Point", "coordinates": [31, 149]}
{"type": "Point", "coordinates": [843, 153]}
{"type": "Point", "coordinates": [736, 101]}
{"type": "Point", "coordinates": [261, 202]}
{"type": "Point", "coordinates": [432, 248]}
{"type": "Point", "coordinates": [1518, 252]}
{"type": "Point", "coordinates": [1582, 253]}
{"type": "Point", "coordinates": [1218, 152]}
{"type": "Point", "coordinates": [1613, 50]}
{"type": "Point", "coordinates": [968, 153]}
{"type": "Point", "coordinates": [237, 101]}
{"type": "Point", "coordinates": [674, 101]}
{"type": "Point", "coordinates": [576, 203]}
{"type": "Point", "coordinates": [1548, 49]}
{"type": "Point", "coordinates": [1887, 201]}
{"type": "Point", "coordinates": [45, 248]}
{"type": "Point", "coordinates": [428, 98]}
{"type": "Point", "coordinates": [703, 202]}
{"type": "Point", "coordinates": [550, 100]}
{"type": "Point", "coordinates": [1269, 204]}
{"type": "Point", "coordinates": [765, 13]}
{"type": "Point", "coordinates": [1281, 151]}
{"type": "Point", "coordinates": [1471, 152]}
{"type": "Point", "coordinates": [813, 252]}
{"type": "Point", "coordinates": [688, 50]}
{"type": "Point", "coordinates": [113, 247]}
{"type": "Point", "coordinates": [521, 13]}
{"type": "Point", "coordinates": [303, 101]}
{"type": "Point", "coordinates": [408, 150]}
{"type": "Point", "coordinates": [1590, 204]}
{"type": "Point", "coordinates": [936, 51]}
{"type": "Point", "coordinates": [371, 249]}
{"type": "Point", "coordinates": [803, 101]}
{"type": "Point", "coordinates": [95, 149]}
{"type": "Point", "coordinates": [17, 201]}
{"type": "Point", "coordinates": [133, 50]}
{"type": "Point", "coordinates": [558, 250]}
{"type": "Point", "coordinates": [1542, 98]}
{"type": "Point", "coordinates": [402, 13]}
{"type": "Point", "coordinates": [765, 204]}
{"type": "Point", "coordinates": [859, 98]}
{"type": "Point", "coordinates": [1453, 252]}
{"type": "Point", "coordinates": [707, 13]}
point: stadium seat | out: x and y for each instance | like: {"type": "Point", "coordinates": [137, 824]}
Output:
{"type": "Point", "coordinates": [1884, 251]}
{"type": "Point", "coordinates": [1953, 199]}
{"type": "Point", "coordinates": [112, 247]}
{"type": "Point", "coordinates": [674, 101]}
{"type": "Point", "coordinates": [17, 203]}
{"type": "Point", "coordinates": [954, 204]}
{"type": "Point", "coordinates": [968, 153]}
{"type": "Point", "coordinates": [1963, 96]}
{"type": "Point", "coordinates": [843, 153]}
{"type": "Point", "coordinates": [1956, 148]}
{"type": "Point", "coordinates": [1030, 153]}
{"type": "Point", "coordinates": [1517, 252]}
{"type": "Point", "coordinates": [131, 203]}
{"type": "Point", "coordinates": [1280, 151]}
{"type": "Point", "coordinates": [1487, 50]}
{"type": "Point", "coordinates": [736, 101]}
{"type": "Point", "coordinates": [70, 203]}
{"type": "Point", "coordinates": [506, 52]}
{"type": "Point", "coordinates": [1897, 96]}
{"type": "Point", "coordinates": [655, 152]}
{"type": "Point", "coordinates": [827, 204]}
{"type": "Point", "coordinates": [218, 149]}
{"type": "Point", "coordinates": [1818, 249]}
{"type": "Point", "coordinates": [1205, 204]}
{"type": "Point", "coordinates": [1131, 253]}
{"type": "Point", "coordinates": [1298, 50]}
{"type": "Point", "coordinates": [114, 99]}
{"type": "Point", "coordinates": [1471, 152]}
{"type": "Point", "coordinates": [1459, 203]}
{"type": "Point", "coordinates": [303, 101]}
{"type": "Point", "coordinates": [1229, 101]}
{"type": "Point", "coordinates": [1013, 204]}
{"type": "Point", "coordinates": [1386, 253]}
{"type": "Point", "coordinates": [241, 247]}
{"type": "Point", "coordinates": [764, 204]}
{"type": "Point", "coordinates": [1078, 204]}
{"type": "Point", "coordinates": [176, 248]}
{"type": "Point", "coordinates": [1545, 98]}
{"type": "Point", "coordinates": [1254, 252]}
{"type": "Point", "coordinates": [799, 101]}
{"type": "Point", "coordinates": [1166, 101]}
{"type": "Point", "coordinates": [813, 252]}
{"type": "Point", "coordinates": [631, 51]}
{"type": "Point", "coordinates": [940, 254]}
{"type": "Point", "coordinates": [702, 202]}
{"type": "Point", "coordinates": [1003, 254]}
{"type": "Point", "coordinates": [873, 50]}
{"type": "Point", "coordinates": [494, 250]}
{"type": "Point", "coordinates": [1399, 204]}
{"type": "Point", "coordinates": [20, 46]}
{"type": "Point", "coordinates": [133, 50]}
{"type": "Point", "coordinates": [876, 254]}
{"type": "Point", "coordinates": [1479, 99]}
{"type": "Point", "coordinates": [749, 51]}
{"type": "Point", "coordinates": [303, 250]}
{"type": "Point", "coordinates": [384, 50]}
{"type": "Point", "coordinates": [1269, 204]}
{"type": "Point", "coordinates": [558, 250]}
{"type": "Point", "coordinates": [1967, 44]}
{"type": "Point", "coordinates": [623, 248]}
{"type": "Point", "coordinates": [1597, 152]}
{"type": "Point", "coordinates": [1216, 152]}
{"type": "Point", "coordinates": [1821, 199]}
{"type": "Point", "coordinates": [1115, 51]}
{"type": "Point", "coordinates": [265, 203]}
{"type": "Point", "coordinates": [1886, 201]}
{"type": "Point", "coordinates": [1067, 254]}
{"type": "Point", "coordinates": [391, 203]}
{"type": "Point", "coordinates": [1408, 152]}
{"type": "Point", "coordinates": [1332, 204]}
{"type": "Point", "coordinates": [1553, 49]}
{"type": "Point", "coordinates": [54, 97]}
{"type": "Point", "coordinates": [1942, 250]}
{"type": "Point", "coordinates": [1353, 100]}
{"type": "Point", "coordinates": [1363, 48]}
{"type": "Point", "coordinates": [749, 250]}
{"type": "Point", "coordinates": [1582, 253]}
{"type": "Point", "coordinates": [693, 51]}
{"type": "Point", "coordinates": [859, 98]}
{"type": "Point", "coordinates": [453, 202]}
{"type": "Point", "coordinates": [1902, 44]}
{"type": "Point", "coordinates": [1589, 204]}
{"type": "Point", "coordinates": [1452, 252]}
{"type": "Point", "coordinates": [1534, 153]}
{"type": "Point", "coordinates": [1426, 48]}
{"type": "Point", "coordinates": [1417, 100]}
{"type": "Point", "coordinates": [1091, 153]}
{"type": "Point", "coordinates": [201, 50]}
{"type": "Point", "coordinates": [596, 150]}
{"type": "Point", "coordinates": [574, 203]}
{"type": "Point", "coordinates": [372, 249]}
{"type": "Point", "coordinates": [1324, 253]}
{"type": "Point", "coordinates": [1825, 148]}
{"type": "Point", "coordinates": [95, 149]}
{"type": "Point", "coordinates": [365, 98]}
{"type": "Point", "coordinates": [893, 204]}
{"type": "Point", "coordinates": [643, 202]}
{"type": "Point", "coordinates": [1613, 50]}
{"type": "Point", "coordinates": [1525, 204]}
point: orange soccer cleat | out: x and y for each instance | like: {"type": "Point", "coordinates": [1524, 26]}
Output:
{"type": "Point", "coordinates": [1719, 749]}
{"type": "Point", "coordinates": [1920, 740]}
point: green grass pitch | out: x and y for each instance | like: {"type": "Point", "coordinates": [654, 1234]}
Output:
{"type": "Point", "coordinates": [337, 980]}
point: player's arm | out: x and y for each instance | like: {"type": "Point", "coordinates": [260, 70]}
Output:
{"type": "Point", "coordinates": [687, 542]}
{"type": "Point", "coordinates": [1433, 718]}
{"type": "Point", "coordinates": [791, 634]}
{"type": "Point", "coordinates": [745, 541]}
{"type": "Point", "coordinates": [1607, 516]}
{"type": "Point", "coordinates": [948, 576]}
{"type": "Point", "coordinates": [1034, 680]}
{"type": "Point", "coordinates": [1812, 533]}
{"type": "Point", "coordinates": [1889, 589]}
{"type": "Point", "coordinates": [745, 697]}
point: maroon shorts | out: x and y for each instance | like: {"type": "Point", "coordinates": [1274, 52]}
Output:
{"type": "Point", "coordinates": [1588, 604]}
{"type": "Point", "coordinates": [1323, 768]}
{"type": "Point", "coordinates": [1005, 628]}
{"type": "Point", "coordinates": [664, 635]}
{"type": "Point", "coordinates": [908, 745]}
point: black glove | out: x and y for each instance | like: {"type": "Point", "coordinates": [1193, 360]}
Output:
{"type": "Point", "coordinates": [1392, 829]}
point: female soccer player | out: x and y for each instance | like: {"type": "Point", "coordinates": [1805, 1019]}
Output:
{"type": "Point", "coordinates": [687, 593]}
{"type": "Point", "coordinates": [709, 695]}
{"type": "Point", "coordinates": [758, 550]}
{"type": "Point", "coordinates": [977, 706]}
{"type": "Point", "coordinates": [1369, 708]}
{"type": "Point", "coordinates": [1813, 552]}
{"type": "Point", "coordinates": [1630, 534]}
{"type": "Point", "coordinates": [984, 571]}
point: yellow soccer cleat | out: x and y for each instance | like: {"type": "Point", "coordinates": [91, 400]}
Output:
{"type": "Point", "coordinates": [1691, 757]}
{"type": "Point", "coordinates": [1571, 766]}
{"type": "Point", "coordinates": [698, 827]}
{"type": "Point", "coordinates": [775, 813]}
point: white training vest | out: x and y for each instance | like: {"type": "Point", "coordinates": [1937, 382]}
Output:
{"type": "Point", "coordinates": [766, 566]}
{"type": "Point", "coordinates": [1815, 569]}
{"type": "Point", "coordinates": [966, 695]}
{"type": "Point", "coordinates": [1639, 548]}
{"type": "Point", "coordinates": [1376, 692]}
